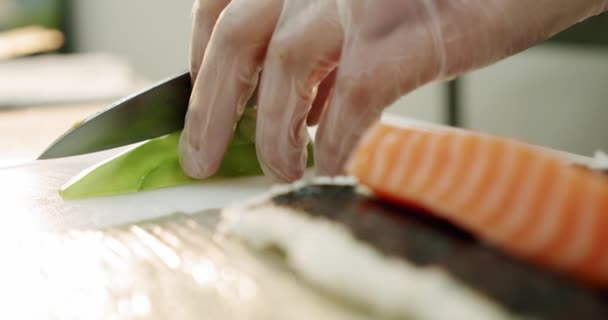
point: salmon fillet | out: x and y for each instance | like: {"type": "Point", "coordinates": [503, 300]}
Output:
{"type": "Point", "coordinates": [518, 197]}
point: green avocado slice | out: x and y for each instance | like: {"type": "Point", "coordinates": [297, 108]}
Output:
{"type": "Point", "coordinates": [155, 164]}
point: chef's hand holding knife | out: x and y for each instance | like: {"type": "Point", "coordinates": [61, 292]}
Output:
{"type": "Point", "coordinates": [338, 64]}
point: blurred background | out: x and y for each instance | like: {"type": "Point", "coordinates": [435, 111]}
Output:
{"type": "Point", "coordinates": [61, 60]}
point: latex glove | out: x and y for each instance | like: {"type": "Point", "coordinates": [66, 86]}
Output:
{"type": "Point", "coordinates": [340, 63]}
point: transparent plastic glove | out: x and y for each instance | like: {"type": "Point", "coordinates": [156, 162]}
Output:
{"type": "Point", "coordinates": [340, 63]}
{"type": "Point", "coordinates": [296, 43]}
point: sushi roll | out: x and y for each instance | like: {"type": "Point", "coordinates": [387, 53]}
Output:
{"type": "Point", "coordinates": [401, 262]}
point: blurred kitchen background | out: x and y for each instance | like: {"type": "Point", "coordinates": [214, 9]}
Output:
{"type": "Point", "coordinates": [61, 60]}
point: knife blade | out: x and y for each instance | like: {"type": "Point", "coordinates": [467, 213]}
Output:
{"type": "Point", "coordinates": [152, 112]}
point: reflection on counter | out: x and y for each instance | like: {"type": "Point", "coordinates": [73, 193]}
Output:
{"type": "Point", "coordinates": [172, 268]}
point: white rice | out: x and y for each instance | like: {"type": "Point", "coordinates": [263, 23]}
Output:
{"type": "Point", "coordinates": [327, 255]}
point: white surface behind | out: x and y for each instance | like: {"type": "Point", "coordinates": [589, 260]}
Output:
{"type": "Point", "coordinates": [552, 96]}
{"type": "Point", "coordinates": [63, 79]}
{"type": "Point", "coordinates": [558, 98]}
{"type": "Point", "coordinates": [153, 36]}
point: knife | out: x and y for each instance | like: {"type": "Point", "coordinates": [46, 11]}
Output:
{"type": "Point", "coordinates": [150, 113]}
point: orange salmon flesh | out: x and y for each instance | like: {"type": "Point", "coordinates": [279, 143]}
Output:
{"type": "Point", "coordinates": [517, 197]}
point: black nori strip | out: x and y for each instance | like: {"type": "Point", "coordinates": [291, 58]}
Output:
{"type": "Point", "coordinates": [423, 240]}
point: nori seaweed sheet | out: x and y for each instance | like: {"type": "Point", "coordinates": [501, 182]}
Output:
{"type": "Point", "coordinates": [424, 240]}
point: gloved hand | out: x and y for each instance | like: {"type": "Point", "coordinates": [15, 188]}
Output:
{"type": "Point", "coordinates": [339, 63]}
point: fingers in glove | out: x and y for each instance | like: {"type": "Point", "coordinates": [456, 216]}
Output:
{"type": "Point", "coordinates": [394, 46]}
{"type": "Point", "coordinates": [204, 16]}
{"type": "Point", "coordinates": [384, 56]}
{"type": "Point", "coordinates": [227, 79]}
{"type": "Point", "coordinates": [303, 51]}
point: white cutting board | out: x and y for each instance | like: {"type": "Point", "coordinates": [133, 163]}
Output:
{"type": "Point", "coordinates": [30, 201]}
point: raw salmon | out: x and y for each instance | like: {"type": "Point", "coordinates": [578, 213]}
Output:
{"type": "Point", "coordinates": [521, 198]}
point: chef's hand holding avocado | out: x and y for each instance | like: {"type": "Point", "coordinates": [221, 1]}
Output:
{"type": "Point", "coordinates": [339, 63]}
{"type": "Point", "coordinates": [335, 63]}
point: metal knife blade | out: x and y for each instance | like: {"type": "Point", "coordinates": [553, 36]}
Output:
{"type": "Point", "coordinates": [153, 112]}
